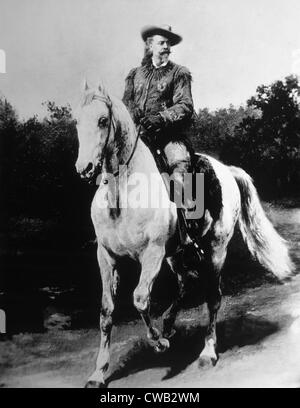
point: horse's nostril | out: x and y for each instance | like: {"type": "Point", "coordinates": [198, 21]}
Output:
{"type": "Point", "coordinates": [89, 168]}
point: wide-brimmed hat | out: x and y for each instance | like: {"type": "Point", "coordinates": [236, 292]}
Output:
{"type": "Point", "coordinates": [164, 30]}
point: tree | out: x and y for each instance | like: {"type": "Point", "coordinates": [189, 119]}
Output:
{"type": "Point", "coordinates": [268, 145]}
{"type": "Point", "coordinates": [8, 136]}
{"type": "Point", "coordinates": [8, 115]}
{"type": "Point", "coordinates": [212, 130]}
{"type": "Point", "coordinates": [58, 113]}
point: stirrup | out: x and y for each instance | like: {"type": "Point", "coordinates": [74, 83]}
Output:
{"type": "Point", "coordinates": [192, 255]}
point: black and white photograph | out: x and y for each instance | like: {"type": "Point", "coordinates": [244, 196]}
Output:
{"type": "Point", "coordinates": [149, 196]}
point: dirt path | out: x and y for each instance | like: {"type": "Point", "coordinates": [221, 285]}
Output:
{"type": "Point", "coordinates": [259, 346]}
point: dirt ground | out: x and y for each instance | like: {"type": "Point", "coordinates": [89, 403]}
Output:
{"type": "Point", "coordinates": [258, 344]}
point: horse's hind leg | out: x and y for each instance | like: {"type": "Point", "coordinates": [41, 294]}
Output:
{"type": "Point", "coordinates": [110, 279]}
{"type": "Point", "coordinates": [169, 317]}
{"type": "Point", "coordinates": [151, 261]}
{"type": "Point", "coordinates": [213, 298]}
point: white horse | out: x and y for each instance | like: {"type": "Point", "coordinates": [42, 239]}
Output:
{"type": "Point", "coordinates": [107, 139]}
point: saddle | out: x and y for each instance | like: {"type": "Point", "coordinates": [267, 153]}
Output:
{"type": "Point", "coordinates": [200, 164]}
{"type": "Point", "coordinates": [212, 187]}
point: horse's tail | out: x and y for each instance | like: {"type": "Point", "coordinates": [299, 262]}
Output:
{"type": "Point", "coordinates": [263, 242]}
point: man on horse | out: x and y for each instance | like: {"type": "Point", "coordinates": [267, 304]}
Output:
{"type": "Point", "coordinates": [159, 99]}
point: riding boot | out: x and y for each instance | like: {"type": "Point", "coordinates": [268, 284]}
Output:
{"type": "Point", "coordinates": [192, 253]}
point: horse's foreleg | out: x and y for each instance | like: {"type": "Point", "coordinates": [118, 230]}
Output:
{"type": "Point", "coordinates": [170, 314]}
{"type": "Point", "coordinates": [213, 298]}
{"type": "Point", "coordinates": [151, 261]}
{"type": "Point", "coordinates": [110, 278]}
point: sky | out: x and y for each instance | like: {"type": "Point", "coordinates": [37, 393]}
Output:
{"type": "Point", "coordinates": [231, 46]}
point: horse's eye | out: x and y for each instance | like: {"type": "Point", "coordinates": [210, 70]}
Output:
{"type": "Point", "coordinates": [102, 122]}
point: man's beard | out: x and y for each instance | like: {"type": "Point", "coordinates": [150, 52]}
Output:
{"type": "Point", "coordinates": [165, 55]}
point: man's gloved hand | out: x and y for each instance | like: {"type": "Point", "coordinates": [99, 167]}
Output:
{"type": "Point", "coordinates": [152, 122]}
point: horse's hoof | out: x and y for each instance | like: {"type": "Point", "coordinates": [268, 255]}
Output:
{"type": "Point", "coordinates": [207, 361]}
{"type": "Point", "coordinates": [162, 345]}
{"type": "Point", "coordinates": [95, 384]}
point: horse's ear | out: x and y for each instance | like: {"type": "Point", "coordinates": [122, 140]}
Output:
{"type": "Point", "coordinates": [85, 86]}
{"type": "Point", "coordinates": [102, 89]}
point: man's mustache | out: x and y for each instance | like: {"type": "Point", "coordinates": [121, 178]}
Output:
{"type": "Point", "coordinates": [165, 52]}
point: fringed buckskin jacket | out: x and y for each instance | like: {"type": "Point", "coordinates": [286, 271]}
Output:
{"type": "Point", "coordinates": [165, 90]}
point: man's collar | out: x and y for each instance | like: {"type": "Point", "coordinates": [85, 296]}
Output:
{"type": "Point", "coordinates": [159, 66]}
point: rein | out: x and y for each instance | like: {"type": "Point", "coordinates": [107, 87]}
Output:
{"type": "Point", "coordinates": [108, 103]}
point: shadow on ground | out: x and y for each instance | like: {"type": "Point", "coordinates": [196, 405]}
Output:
{"type": "Point", "coordinates": [187, 344]}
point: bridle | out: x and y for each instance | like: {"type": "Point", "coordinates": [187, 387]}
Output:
{"type": "Point", "coordinates": [99, 166]}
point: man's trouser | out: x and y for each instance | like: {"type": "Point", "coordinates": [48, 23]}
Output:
{"type": "Point", "coordinates": [179, 163]}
